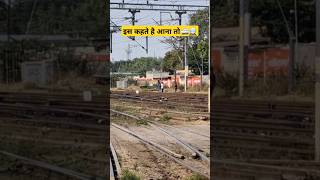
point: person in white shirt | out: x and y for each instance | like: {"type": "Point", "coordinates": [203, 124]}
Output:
{"type": "Point", "coordinates": [162, 87]}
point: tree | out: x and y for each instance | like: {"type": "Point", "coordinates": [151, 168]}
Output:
{"type": "Point", "coordinates": [56, 17]}
{"type": "Point", "coordinates": [137, 65]}
{"type": "Point", "coordinates": [172, 61]}
{"type": "Point", "coordinates": [267, 15]}
{"type": "Point", "coordinates": [198, 47]}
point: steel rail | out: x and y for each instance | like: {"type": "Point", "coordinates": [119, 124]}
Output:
{"type": "Point", "coordinates": [164, 152]}
{"type": "Point", "coordinates": [194, 152]}
{"type": "Point", "coordinates": [264, 168]}
{"type": "Point", "coordinates": [50, 167]}
{"type": "Point", "coordinates": [145, 141]}
{"type": "Point", "coordinates": [114, 163]}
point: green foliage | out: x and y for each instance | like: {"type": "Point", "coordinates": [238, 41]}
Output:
{"type": "Point", "coordinates": [228, 82]}
{"type": "Point", "coordinates": [165, 118]}
{"type": "Point", "coordinates": [56, 17]}
{"type": "Point", "coordinates": [197, 54]}
{"type": "Point", "coordinates": [172, 60]}
{"type": "Point", "coordinates": [223, 13]}
{"type": "Point", "coordinates": [201, 18]}
{"type": "Point", "coordinates": [137, 65]}
{"type": "Point", "coordinates": [267, 15]}
{"type": "Point", "coordinates": [142, 122]}
{"type": "Point", "coordinates": [197, 47]}
{"type": "Point", "coordinates": [128, 175]}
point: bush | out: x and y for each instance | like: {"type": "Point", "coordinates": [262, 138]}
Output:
{"type": "Point", "coordinates": [165, 118]}
{"type": "Point", "coordinates": [275, 84]}
{"type": "Point", "coordinates": [228, 82]}
{"type": "Point", "coordinates": [128, 175]}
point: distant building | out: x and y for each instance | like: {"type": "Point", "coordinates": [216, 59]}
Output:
{"type": "Point", "coordinates": [156, 74]}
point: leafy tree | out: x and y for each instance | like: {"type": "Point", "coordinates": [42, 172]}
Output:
{"type": "Point", "coordinates": [197, 47]}
{"type": "Point", "coordinates": [172, 61]}
{"type": "Point", "coordinates": [137, 65]}
{"type": "Point", "coordinates": [267, 15]}
{"type": "Point", "coordinates": [56, 17]}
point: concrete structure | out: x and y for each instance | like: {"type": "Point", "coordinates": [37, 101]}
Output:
{"type": "Point", "coordinates": [156, 75]}
{"type": "Point", "coordinates": [122, 84]}
{"type": "Point", "coordinates": [38, 72]}
{"type": "Point", "coordinates": [263, 59]}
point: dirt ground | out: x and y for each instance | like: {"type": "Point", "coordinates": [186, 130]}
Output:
{"type": "Point", "coordinates": [147, 162]}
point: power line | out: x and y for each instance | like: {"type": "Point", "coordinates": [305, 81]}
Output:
{"type": "Point", "coordinates": [155, 7]}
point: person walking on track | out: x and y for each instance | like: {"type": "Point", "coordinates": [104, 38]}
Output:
{"type": "Point", "coordinates": [162, 87]}
{"type": "Point", "coordinates": [159, 86]}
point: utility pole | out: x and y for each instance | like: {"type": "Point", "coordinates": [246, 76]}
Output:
{"type": "Point", "coordinates": [128, 52]}
{"type": "Point", "coordinates": [296, 30]}
{"type": "Point", "coordinates": [241, 48]}
{"type": "Point", "coordinates": [244, 44]}
{"type": "Point", "coordinates": [8, 20]}
{"type": "Point", "coordinates": [186, 66]}
{"type": "Point", "coordinates": [291, 77]}
{"type": "Point", "coordinates": [113, 30]}
{"type": "Point", "coordinates": [180, 13]}
{"type": "Point", "coordinates": [133, 18]}
{"type": "Point", "coordinates": [317, 86]}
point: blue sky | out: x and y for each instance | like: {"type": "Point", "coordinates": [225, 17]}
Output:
{"type": "Point", "coordinates": [156, 48]}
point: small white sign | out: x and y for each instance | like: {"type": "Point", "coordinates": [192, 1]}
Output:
{"type": "Point", "coordinates": [87, 95]}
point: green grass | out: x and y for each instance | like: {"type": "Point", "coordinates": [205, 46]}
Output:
{"type": "Point", "coordinates": [142, 122]}
{"type": "Point", "coordinates": [165, 118]}
{"type": "Point", "coordinates": [129, 175]}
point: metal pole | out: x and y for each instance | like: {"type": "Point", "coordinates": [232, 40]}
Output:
{"type": "Point", "coordinates": [180, 22]}
{"type": "Point", "coordinates": [201, 73]}
{"type": "Point", "coordinates": [186, 67]}
{"type": "Point", "coordinates": [147, 45]}
{"type": "Point", "coordinates": [291, 64]}
{"type": "Point", "coordinates": [210, 68]}
{"type": "Point", "coordinates": [111, 41]}
{"type": "Point", "coordinates": [247, 32]}
{"type": "Point", "coordinates": [317, 86]}
{"type": "Point", "coordinates": [8, 20]}
{"type": "Point", "coordinates": [133, 18]}
{"type": "Point", "coordinates": [264, 68]}
{"type": "Point", "coordinates": [296, 30]}
{"type": "Point", "coordinates": [241, 48]}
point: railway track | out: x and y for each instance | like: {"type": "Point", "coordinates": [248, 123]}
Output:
{"type": "Point", "coordinates": [192, 103]}
{"type": "Point", "coordinates": [254, 170]}
{"type": "Point", "coordinates": [241, 129]}
{"type": "Point", "coordinates": [178, 158]}
{"type": "Point", "coordinates": [263, 139]}
{"type": "Point", "coordinates": [115, 170]}
{"type": "Point", "coordinates": [49, 167]}
{"type": "Point", "coordinates": [274, 129]}
{"type": "Point", "coordinates": [61, 129]}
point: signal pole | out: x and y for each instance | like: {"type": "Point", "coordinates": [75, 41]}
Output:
{"type": "Point", "coordinates": [317, 85]}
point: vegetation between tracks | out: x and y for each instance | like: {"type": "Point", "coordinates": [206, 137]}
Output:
{"type": "Point", "coordinates": [129, 175]}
